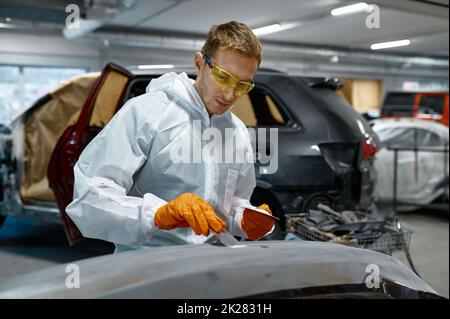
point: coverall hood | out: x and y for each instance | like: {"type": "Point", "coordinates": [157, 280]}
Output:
{"type": "Point", "coordinates": [180, 88]}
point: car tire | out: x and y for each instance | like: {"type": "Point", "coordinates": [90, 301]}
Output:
{"type": "Point", "coordinates": [1, 189]}
{"type": "Point", "coordinates": [314, 199]}
{"type": "Point", "coordinates": [2, 217]}
{"type": "Point", "coordinates": [2, 220]}
{"type": "Point", "coordinates": [277, 234]}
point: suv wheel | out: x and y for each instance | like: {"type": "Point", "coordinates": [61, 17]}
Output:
{"type": "Point", "coordinates": [317, 198]}
{"type": "Point", "coordinates": [2, 220]}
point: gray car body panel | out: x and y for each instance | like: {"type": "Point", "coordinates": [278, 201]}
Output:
{"type": "Point", "coordinates": [209, 271]}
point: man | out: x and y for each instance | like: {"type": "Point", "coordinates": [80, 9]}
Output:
{"type": "Point", "coordinates": [129, 189]}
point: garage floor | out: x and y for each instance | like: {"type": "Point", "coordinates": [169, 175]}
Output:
{"type": "Point", "coordinates": [429, 247]}
{"type": "Point", "coordinates": [26, 245]}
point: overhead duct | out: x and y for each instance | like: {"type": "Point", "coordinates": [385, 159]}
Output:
{"type": "Point", "coordinates": [270, 49]}
{"type": "Point", "coordinates": [98, 13]}
{"type": "Point", "coordinates": [355, 55]}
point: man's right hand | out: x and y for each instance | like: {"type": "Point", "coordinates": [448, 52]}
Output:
{"type": "Point", "coordinates": [189, 210]}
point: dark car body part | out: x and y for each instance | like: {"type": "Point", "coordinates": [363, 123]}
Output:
{"type": "Point", "coordinates": [253, 270]}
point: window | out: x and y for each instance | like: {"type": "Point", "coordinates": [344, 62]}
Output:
{"type": "Point", "coordinates": [10, 92]}
{"type": "Point", "coordinates": [137, 87]}
{"type": "Point", "coordinates": [431, 104]}
{"type": "Point", "coordinates": [409, 137]}
{"type": "Point", "coordinates": [258, 108]}
{"type": "Point", "coordinates": [427, 138]}
{"type": "Point", "coordinates": [38, 81]}
{"type": "Point", "coordinates": [21, 86]}
{"type": "Point", "coordinates": [400, 104]}
{"type": "Point", "coordinates": [399, 99]}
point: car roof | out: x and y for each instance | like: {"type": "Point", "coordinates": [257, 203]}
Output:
{"type": "Point", "coordinates": [189, 70]}
{"type": "Point", "coordinates": [332, 83]}
{"type": "Point", "coordinates": [392, 123]}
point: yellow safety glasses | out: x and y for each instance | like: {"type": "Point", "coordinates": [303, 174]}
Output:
{"type": "Point", "coordinates": [226, 80]}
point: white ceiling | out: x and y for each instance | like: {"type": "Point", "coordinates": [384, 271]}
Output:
{"type": "Point", "coordinates": [394, 25]}
{"type": "Point", "coordinates": [198, 15]}
{"type": "Point", "coordinates": [424, 22]}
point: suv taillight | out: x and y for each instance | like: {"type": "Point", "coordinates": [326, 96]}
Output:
{"type": "Point", "coordinates": [369, 150]}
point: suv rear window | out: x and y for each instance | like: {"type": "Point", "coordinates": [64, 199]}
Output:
{"type": "Point", "coordinates": [431, 104]}
{"type": "Point", "coordinates": [258, 108]}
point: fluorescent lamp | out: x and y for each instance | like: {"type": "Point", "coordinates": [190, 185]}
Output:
{"type": "Point", "coordinates": [267, 29]}
{"type": "Point", "coordinates": [277, 27]}
{"type": "Point", "coordinates": [334, 59]}
{"type": "Point", "coordinates": [391, 44]}
{"type": "Point", "coordinates": [354, 8]}
{"type": "Point", "coordinates": [155, 66]}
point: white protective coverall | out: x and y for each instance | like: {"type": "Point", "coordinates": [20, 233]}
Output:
{"type": "Point", "coordinates": [126, 172]}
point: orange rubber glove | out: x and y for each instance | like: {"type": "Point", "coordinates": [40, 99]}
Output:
{"type": "Point", "coordinates": [255, 224]}
{"type": "Point", "coordinates": [189, 210]}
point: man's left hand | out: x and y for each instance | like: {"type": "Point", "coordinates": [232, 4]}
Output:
{"type": "Point", "coordinates": [256, 224]}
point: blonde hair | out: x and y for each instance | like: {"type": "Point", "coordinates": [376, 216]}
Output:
{"type": "Point", "coordinates": [233, 35]}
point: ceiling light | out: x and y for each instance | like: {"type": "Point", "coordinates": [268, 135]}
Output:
{"type": "Point", "coordinates": [354, 8]}
{"type": "Point", "coordinates": [277, 27]}
{"type": "Point", "coordinates": [334, 59]}
{"type": "Point", "coordinates": [155, 66]}
{"type": "Point", "coordinates": [391, 44]}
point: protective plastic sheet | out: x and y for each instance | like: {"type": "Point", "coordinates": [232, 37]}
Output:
{"type": "Point", "coordinates": [421, 176]}
{"type": "Point", "coordinates": [42, 129]}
